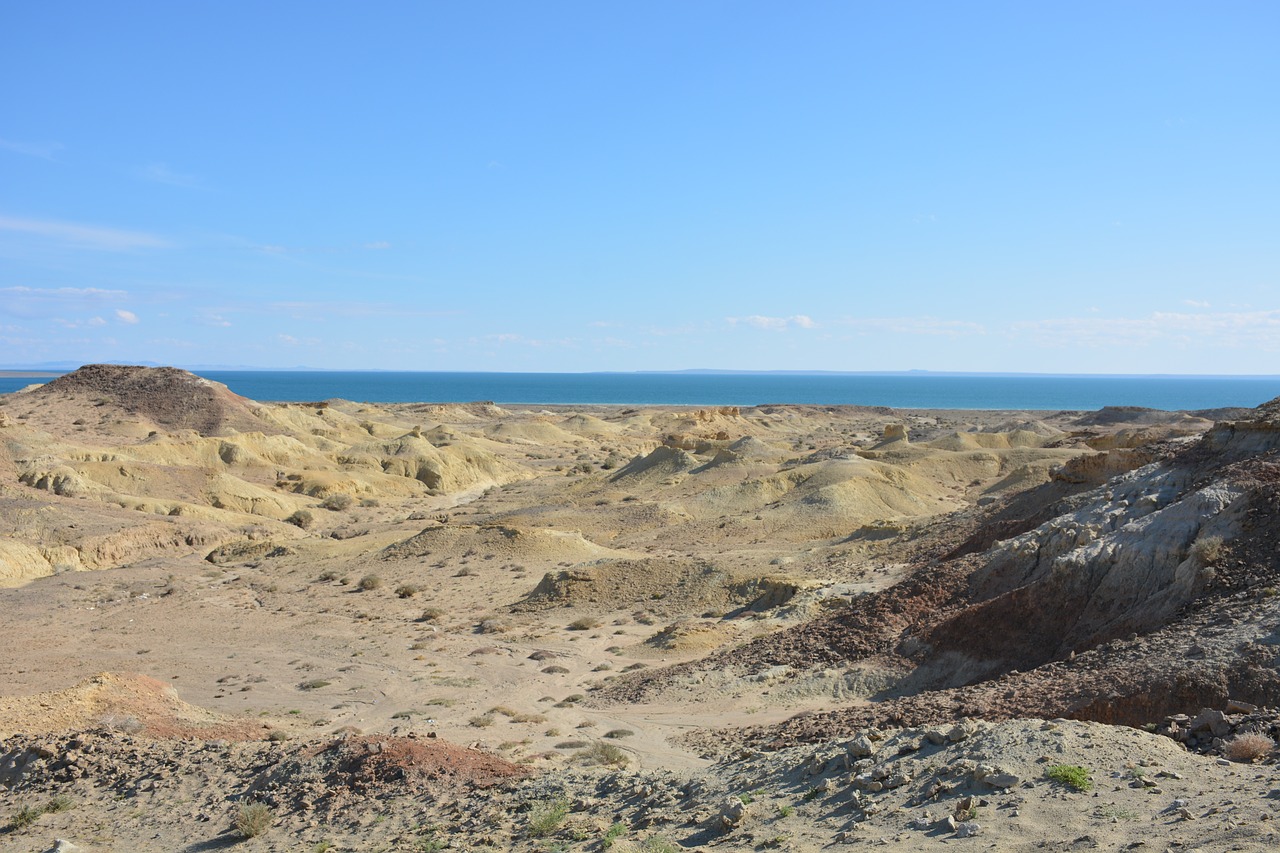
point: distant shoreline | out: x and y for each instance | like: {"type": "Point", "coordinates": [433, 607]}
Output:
{"type": "Point", "coordinates": [30, 374]}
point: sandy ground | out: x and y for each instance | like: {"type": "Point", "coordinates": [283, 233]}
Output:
{"type": "Point", "coordinates": [474, 575]}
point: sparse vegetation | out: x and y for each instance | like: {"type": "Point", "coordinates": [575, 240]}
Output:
{"type": "Point", "coordinates": [252, 819]}
{"type": "Point", "coordinates": [1207, 550]}
{"type": "Point", "coordinates": [338, 503]}
{"type": "Point", "coordinates": [368, 583]}
{"type": "Point", "coordinates": [616, 734]}
{"type": "Point", "coordinates": [25, 816]}
{"type": "Point", "coordinates": [431, 614]}
{"type": "Point", "coordinates": [585, 623]}
{"type": "Point", "coordinates": [58, 803]}
{"type": "Point", "coordinates": [604, 754]}
{"type": "Point", "coordinates": [1248, 747]}
{"type": "Point", "coordinates": [612, 834]}
{"type": "Point", "coordinates": [1073, 776]}
{"type": "Point", "coordinates": [314, 684]}
{"type": "Point", "coordinates": [546, 818]}
{"type": "Point", "coordinates": [407, 590]}
{"type": "Point", "coordinates": [303, 518]}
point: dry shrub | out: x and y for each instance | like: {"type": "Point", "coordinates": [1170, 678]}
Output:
{"type": "Point", "coordinates": [252, 819]}
{"type": "Point", "coordinates": [302, 518]}
{"type": "Point", "coordinates": [1248, 747]}
{"type": "Point", "coordinates": [1208, 550]}
{"type": "Point", "coordinates": [338, 502]}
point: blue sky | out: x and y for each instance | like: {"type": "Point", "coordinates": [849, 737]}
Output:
{"type": "Point", "coordinates": [1070, 187]}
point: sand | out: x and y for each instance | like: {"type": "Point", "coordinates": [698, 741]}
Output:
{"type": "Point", "coordinates": [677, 592]}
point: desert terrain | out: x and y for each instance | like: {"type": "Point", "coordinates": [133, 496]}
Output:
{"type": "Point", "coordinates": [340, 626]}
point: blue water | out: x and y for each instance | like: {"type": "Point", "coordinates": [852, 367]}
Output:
{"type": "Point", "coordinates": [900, 391]}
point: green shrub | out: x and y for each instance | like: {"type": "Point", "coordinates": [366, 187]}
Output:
{"type": "Point", "coordinates": [1071, 775]}
{"type": "Point", "coordinates": [658, 844]}
{"type": "Point", "coordinates": [612, 834]}
{"type": "Point", "coordinates": [546, 818]}
{"type": "Point", "coordinates": [25, 816]}
{"type": "Point", "coordinates": [58, 803]}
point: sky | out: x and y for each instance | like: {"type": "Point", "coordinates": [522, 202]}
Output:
{"type": "Point", "coordinates": [1084, 187]}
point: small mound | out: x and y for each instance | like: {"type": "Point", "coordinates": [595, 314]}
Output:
{"type": "Point", "coordinates": [662, 584]}
{"type": "Point", "coordinates": [504, 542]}
{"type": "Point", "coordinates": [662, 462]}
{"type": "Point", "coordinates": [1113, 415]}
{"type": "Point", "coordinates": [356, 768]}
{"type": "Point", "coordinates": [684, 637]}
{"type": "Point", "coordinates": [166, 396]}
{"type": "Point", "coordinates": [128, 701]}
{"type": "Point", "coordinates": [529, 432]}
{"type": "Point", "coordinates": [962, 441]}
{"type": "Point", "coordinates": [589, 425]}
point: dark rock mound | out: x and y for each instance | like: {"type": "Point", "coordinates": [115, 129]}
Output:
{"type": "Point", "coordinates": [1112, 415]}
{"type": "Point", "coordinates": [168, 397]}
{"type": "Point", "coordinates": [356, 768]}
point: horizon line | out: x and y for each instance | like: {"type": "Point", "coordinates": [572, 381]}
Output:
{"type": "Point", "coordinates": [56, 368]}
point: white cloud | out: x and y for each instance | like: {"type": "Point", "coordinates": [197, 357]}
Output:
{"type": "Point", "coordinates": [43, 150]}
{"type": "Point", "coordinates": [538, 343]}
{"type": "Point", "coordinates": [215, 320]}
{"type": "Point", "coordinates": [287, 339]}
{"type": "Point", "coordinates": [64, 292]}
{"type": "Point", "coordinates": [83, 236]}
{"type": "Point", "coordinates": [338, 308]}
{"type": "Point", "coordinates": [1224, 329]}
{"type": "Point", "coordinates": [67, 306]}
{"type": "Point", "coordinates": [160, 173]}
{"type": "Point", "coordinates": [126, 316]}
{"type": "Point", "coordinates": [773, 323]}
{"type": "Point", "coordinates": [914, 326]}
{"type": "Point", "coordinates": [1195, 303]}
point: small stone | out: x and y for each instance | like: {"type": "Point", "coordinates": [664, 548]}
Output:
{"type": "Point", "coordinates": [1002, 780]}
{"type": "Point", "coordinates": [968, 829]}
{"type": "Point", "coordinates": [861, 747]}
